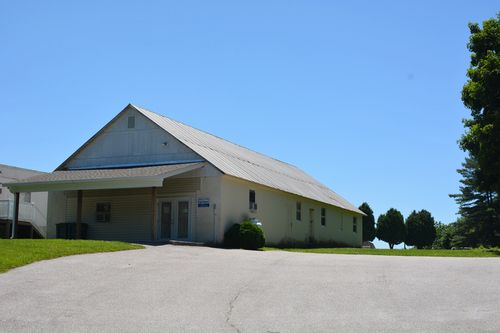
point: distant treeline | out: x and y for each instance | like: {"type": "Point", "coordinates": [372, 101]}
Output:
{"type": "Point", "coordinates": [478, 200]}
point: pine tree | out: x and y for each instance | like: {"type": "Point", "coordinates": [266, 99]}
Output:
{"type": "Point", "coordinates": [479, 208]}
{"type": "Point", "coordinates": [391, 227]}
{"type": "Point", "coordinates": [368, 222]}
{"type": "Point", "coordinates": [420, 229]}
{"type": "Point", "coordinates": [481, 94]}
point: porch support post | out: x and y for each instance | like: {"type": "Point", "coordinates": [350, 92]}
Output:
{"type": "Point", "coordinates": [79, 214]}
{"type": "Point", "coordinates": [15, 216]}
{"type": "Point", "coordinates": [153, 215]}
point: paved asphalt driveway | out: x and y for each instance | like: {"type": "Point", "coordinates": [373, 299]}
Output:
{"type": "Point", "coordinates": [176, 289]}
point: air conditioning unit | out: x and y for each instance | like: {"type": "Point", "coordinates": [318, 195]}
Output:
{"type": "Point", "coordinates": [253, 206]}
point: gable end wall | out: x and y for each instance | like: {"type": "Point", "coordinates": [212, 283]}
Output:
{"type": "Point", "coordinates": [118, 145]}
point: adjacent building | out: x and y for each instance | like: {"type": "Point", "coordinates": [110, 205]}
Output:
{"type": "Point", "coordinates": [32, 206]}
{"type": "Point", "coordinates": [145, 177]}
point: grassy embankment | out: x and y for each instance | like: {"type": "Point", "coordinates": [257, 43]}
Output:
{"type": "Point", "coordinates": [20, 252]}
{"type": "Point", "coordinates": [387, 252]}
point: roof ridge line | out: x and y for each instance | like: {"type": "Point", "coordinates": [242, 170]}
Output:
{"type": "Point", "coordinates": [139, 108]}
{"type": "Point", "coordinates": [294, 180]}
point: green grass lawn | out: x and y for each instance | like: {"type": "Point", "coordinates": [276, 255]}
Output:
{"type": "Point", "coordinates": [20, 252]}
{"type": "Point", "coordinates": [409, 253]}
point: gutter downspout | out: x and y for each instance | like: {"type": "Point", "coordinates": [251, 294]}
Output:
{"type": "Point", "coordinates": [215, 214]}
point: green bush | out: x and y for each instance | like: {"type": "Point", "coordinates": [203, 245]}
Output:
{"type": "Point", "coordinates": [232, 237]}
{"type": "Point", "coordinates": [251, 236]}
{"type": "Point", "coordinates": [246, 236]}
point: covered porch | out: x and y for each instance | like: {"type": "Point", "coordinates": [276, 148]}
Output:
{"type": "Point", "coordinates": [153, 203]}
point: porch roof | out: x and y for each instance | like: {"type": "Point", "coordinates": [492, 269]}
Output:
{"type": "Point", "coordinates": [152, 176]}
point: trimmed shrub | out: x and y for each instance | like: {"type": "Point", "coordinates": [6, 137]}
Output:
{"type": "Point", "coordinates": [251, 236]}
{"type": "Point", "coordinates": [232, 237]}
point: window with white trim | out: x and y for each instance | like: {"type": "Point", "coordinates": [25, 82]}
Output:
{"type": "Point", "coordinates": [355, 224]}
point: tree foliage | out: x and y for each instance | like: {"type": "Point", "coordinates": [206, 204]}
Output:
{"type": "Point", "coordinates": [479, 208]}
{"type": "Point", "coordinates": [444, 236]}
{"type": "Point", "coordinates": [481, 94]}
{"type": "Point", "coordinates": [420, 229]}
{"type": "Point", "coordinates": [480, 185]}
{"type": "Point", "coordinates": [368, 222]}
{"type": "Point", "coordinates": [391, 227]}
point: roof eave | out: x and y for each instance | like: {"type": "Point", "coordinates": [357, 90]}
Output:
{"type": "Point", "coordinates": [99, 183]}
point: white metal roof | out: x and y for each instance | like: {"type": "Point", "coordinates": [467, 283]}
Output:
{"type": "Point", "coordinates": [240, 162]}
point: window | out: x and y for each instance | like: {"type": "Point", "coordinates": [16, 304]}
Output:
{"type": "Point", "coordinates": [323, 216]}
{"type": "Point", "coordinates": [27, 197]}
{"type": "Point", "coordinates": [0, 190]}
{"type": "Point", "coordinates": [131, 122]}
{"type": "Point", "coordinates": [251, 199]}
{"type": "Point", "coordinates": [298, 211]}
{"type": "Point", "coordinates": [354, 224]}
{"type": "Point", "coordinates": [103, 212]}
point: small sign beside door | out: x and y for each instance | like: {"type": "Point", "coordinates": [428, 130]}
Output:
{"type": "Point", "coordinates": [203, 202]}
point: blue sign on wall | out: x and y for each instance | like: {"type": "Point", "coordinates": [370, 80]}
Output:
{"type": "Point", "coordinates": [203, 202]}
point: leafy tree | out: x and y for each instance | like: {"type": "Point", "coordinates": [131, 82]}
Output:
{"type": "Point", "coordinates": [479, 208]}
{"type": "Point", "coordinates": [391, 227]}
{"type": "Point", "coordinates": [481, 94]}
{"type": "Point", "coordinates": [420, 229]}
{"type": "Point", "coordinates": [444, 235]}
{"type": "Point", "coordinates": [368, 222]}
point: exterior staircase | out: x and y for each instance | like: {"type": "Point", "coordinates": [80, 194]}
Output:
{"type": "Point", "coordinates": [29, 220]}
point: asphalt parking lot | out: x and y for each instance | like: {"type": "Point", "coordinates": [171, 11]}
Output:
{"type": "Point", "coordinates": [195, 289]}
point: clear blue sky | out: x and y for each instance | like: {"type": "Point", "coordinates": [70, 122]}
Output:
{"type": "Point", "coordinates": [363, 95]}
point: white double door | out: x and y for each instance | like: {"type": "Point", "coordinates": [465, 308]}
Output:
{"type": "Point", "coordinates": [174, 219]}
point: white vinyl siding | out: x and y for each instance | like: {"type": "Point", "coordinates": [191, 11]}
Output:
{"type": "Point", "coordinates": [131, 214]}
{"type": "Point", "coordinates": [132, 209]}
{"type": "Point", "coordinates": [131, 122]}
{"type": "Point", "coordinates": [278, 215]}
{"type": "Point", "coordinates": [118, 145]}
{"type": "Point", "coordinates": [179, 185]}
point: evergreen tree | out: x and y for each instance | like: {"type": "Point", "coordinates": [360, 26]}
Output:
{"type": "Point", "coordinates": [368, 222]}
{"type": "Point", "coordinates": [479, 208]}
{"type": "Point", "coordinates": [420, 229]}
{"type": "Point", "coordinates": [391, 227]}
{"type": "Point", "coordinates": [481, 94]}
{"type": "Point", "coordinates": [480, 184]}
